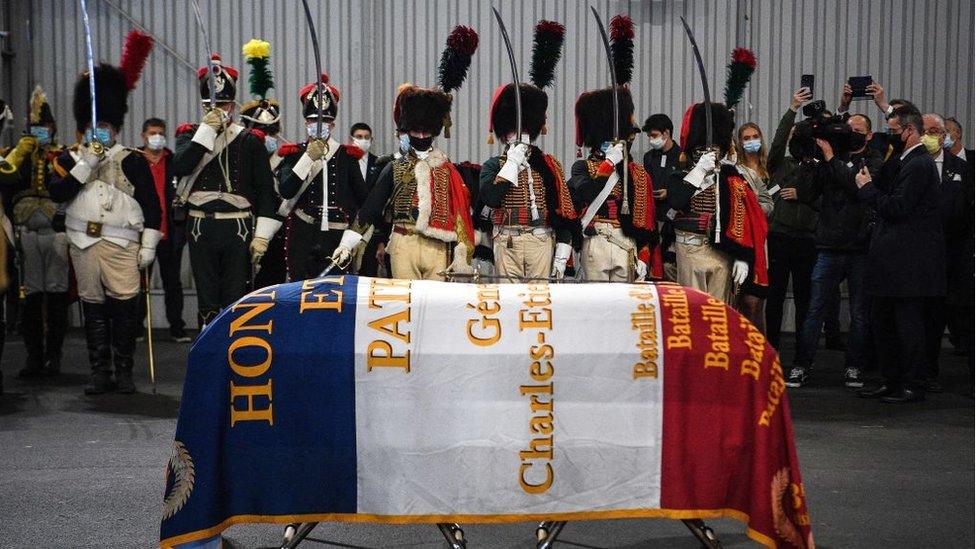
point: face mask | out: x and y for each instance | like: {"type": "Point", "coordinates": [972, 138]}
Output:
{"type": "Point", "coordinates": [404, 143]}
{"type": "Point", "coordinates": [156, 142]}
{"type": "Point", "coordinates": [948, 142]}
{"type": "Point", "coordinates": [931, 143]}
{"type": "Point", "coordinates": [363, 144]}
{"type": "Point", "coordinates": [752, 145]}
{"type": "Point", "coordinates": [604, 146]}
{"type": "Point", "coordinates": [42, 134]}
{"type": "Point", "coordinates": [312, 128]}
{"type": "Point", "coordinates": [894, 139]}
{"type": "Point", "coordinates": [857, 141]}
{"type": "Point", "coordinates": [421, 143]}
{"type": "Point", "coordinates": [270, 143]}
{"type": "Point", "coordinates": [102, 135]}
{"type": "Point", "coordinates": [657, 143]}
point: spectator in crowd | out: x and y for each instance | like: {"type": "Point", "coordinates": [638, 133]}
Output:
{"type": "Point", "coordinates": [361, 135]}
{"type": "Point", "coordinates": [842, 236]}
{"type": "Point", "coordinates": [169, 251]}
{"type": "Point", "coordinates": [658, 162]}
{"type": "Point", "coordinates": [954, 141]}
{"type": "Point", "coordinates": [792, 248]}
{"type": "Point", "coordinates": [750, 151]}
{"type": "Point", "coordinates": [906, 265]}
{"type": "Point", "coordinates": [954, 213]}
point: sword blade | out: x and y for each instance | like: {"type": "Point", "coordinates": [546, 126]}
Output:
{"type": "Point", "coordinates": [90, 54]}
{"type": "Point", "coordinates": [613, 74]}
{"type": "Point", "coordinates": [318, 65]}
{"type": "Point", "coordinates": [515, 74]}
{"type": "Point", "coordinates": [30, 62]}
{"type": "Point", "coordinates": [210, 62]}
{"type": "Point", "coordinates": [704, 79]}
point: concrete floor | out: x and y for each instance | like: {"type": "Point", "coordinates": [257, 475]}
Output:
{"type": "Point", "coordinates": [80, 471]}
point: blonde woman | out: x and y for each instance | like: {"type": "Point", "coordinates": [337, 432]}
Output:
{"type": "Point", "coordinates": [750, 149]}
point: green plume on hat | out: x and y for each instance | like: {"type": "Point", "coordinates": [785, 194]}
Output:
{"type": "Point", "coordinates": [257, 53]}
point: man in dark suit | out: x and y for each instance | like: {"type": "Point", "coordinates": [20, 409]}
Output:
{"type": "Point", "coordinates": [658, 162]}
{"type": "Point", "coordinates": [954, 142]}
{"type": "Point", "coordinates": [955, 213]}
{"type": "Point", "coordinates": [361, 135]}
{"type": "Point", "coordinates": [906, 260]}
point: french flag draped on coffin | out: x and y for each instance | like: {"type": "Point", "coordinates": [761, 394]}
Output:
{"type": "Point", "coordinates": [356, 399]}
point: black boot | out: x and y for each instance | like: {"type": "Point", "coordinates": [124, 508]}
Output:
{"type": "Point", "coordinates": [32, 329]}
{"type": "Point", "coordinates": [57, 325]}
{"type": "Point", "coordinates": [99, 350]}
{"type": "Point", "coordinates": [126, 324]}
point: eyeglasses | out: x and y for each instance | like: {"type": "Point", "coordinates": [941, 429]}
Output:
{"type": "Point", "coordinates": [934, 132]}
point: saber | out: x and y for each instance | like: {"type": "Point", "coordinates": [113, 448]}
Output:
{"type": "Point", "coordinates": [96, 145]}
{"type": "Point", "coordinates": [515, 75]}
{"type": "Point", "coordinates": [625, 201]}
{"type": "Point", "coordinates": [704, 79]}
{"type": "Point", "coordinates": [210, 54]}
{"type": "Point", "coordinates": [30, 62]}
{"type": "Point", "coordinates": [149, 336]}
{"type": "Point", "coordinates": [318, 68]}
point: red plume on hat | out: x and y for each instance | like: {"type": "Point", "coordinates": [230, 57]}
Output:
{"type": "Point", "coordinates": [136, 50]}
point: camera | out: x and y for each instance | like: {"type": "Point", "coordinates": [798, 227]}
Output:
{"type": "Point", "coordinates": [820, 124]}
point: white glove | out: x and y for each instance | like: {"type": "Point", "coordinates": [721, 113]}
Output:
{"type": "Point", "coordinates": [641, 269]}
{"type": "Point", "coordinates": [740, 271]}
{"type": "Point", "coordinates": [147, 249]}
{"type": "Point", "coordinates": [706, 165]}
{"type": "Point", "coordinates": [87, 165]}
{"type": "Point", "coordinates": [460, 264]}
{"type": "Point", "coordinates": [615, 153]}
{"type": "Point", "coordinates": [316, 149]}
{"type": "Point", "coordinates": [215, 118]}
{"type": "Point", "coordinates": [514, 160]}
{"type": "Point", "coordinates": [559, 260]}
{"type": "Point", "coordinates": [259, 246]}
{"type": "Point", "coordinates": [343, 252]}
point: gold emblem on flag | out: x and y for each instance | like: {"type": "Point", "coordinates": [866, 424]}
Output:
{"type": "Point", "coordinates": [180, 476]}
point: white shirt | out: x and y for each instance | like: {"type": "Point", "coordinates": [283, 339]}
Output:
{"type": "Point", "coordinates": [910, 149]}
{"type": "Point", "coordinates": [962, 153]}
{"type": "Point", "coordinates": [362, 165]}
{"type": "Point", "coordinates": [938, 163]}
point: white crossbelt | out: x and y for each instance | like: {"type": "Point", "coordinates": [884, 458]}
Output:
{"type": "Point", "coordinates": [600, 199]}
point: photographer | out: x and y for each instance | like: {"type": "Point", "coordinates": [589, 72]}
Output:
{"type": "Point", "coordinates": [792, 248]}
{"type": "Point", "coordinates": [906, 260]}
{"type": "Point", "coordinates": [841, 237]}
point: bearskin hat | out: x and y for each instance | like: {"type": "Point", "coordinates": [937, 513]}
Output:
{"type": "Point", "coordinates": [594, 116]}
{"type": "Point", "coordinates": [421, 109]}
{"type": "Point", "coordinates": [693, 128]}
{"type": "Point", "coordinates": [111, 96]}
{"type": "Point", "coordinates": [40, 109]}
{"type": "Point", "coordinates": [225, 81]}
{"type": "Point", "coordinates": [324, 94]}
{"type": "Point", "coordinates": [501, 120]}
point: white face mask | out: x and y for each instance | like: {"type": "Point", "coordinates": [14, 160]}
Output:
{"type": "Point", "coordinates": [363, 144]}
{"type": "Point", "coordinates": [312, 127]}
{"type": "Point", "coordinates": [156, 142]}
{"type": "Point", "coordinates": [657, 144]}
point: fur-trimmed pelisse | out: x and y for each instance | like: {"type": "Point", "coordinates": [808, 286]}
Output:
{"type": "Point", "coordinates": [594, 116]}
{"type": "Point", "coordinates": [723, 124]}
{"type": "Point", "coordinates": [421, 110]}
{"type": "Point", "coordinates": [263, 114]}
{"type": "Point", "coordinates": [534, 105]}
{"type": "Point", "coordinates": [111, 94]}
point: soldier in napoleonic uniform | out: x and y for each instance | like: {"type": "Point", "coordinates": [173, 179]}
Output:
{"type": "Point", "coordinates": [24, 178]}
{"type": "Point", "coordinates": [228, 190]}
{"type": "Point", "coordinates": [112, 220]}
{"type": "Point", "coordinates": [6, 244]}
{"type": "Point", "coordinates": [320, 183]}
{"type": "Point", "coordinates": [422, 193]}
{"type": "Point", "coordinates": [262, 115]}
{"type": "Point", "coordinates": [616, 209]}
{"type": "Point", "coordinates": [525, 210]}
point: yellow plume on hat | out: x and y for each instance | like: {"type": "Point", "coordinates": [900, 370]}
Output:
{"type": "Point", "coordinates": [37, 101]}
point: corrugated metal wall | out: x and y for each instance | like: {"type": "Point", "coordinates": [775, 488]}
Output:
{"type": "Point", "coordinates": [922, 50]}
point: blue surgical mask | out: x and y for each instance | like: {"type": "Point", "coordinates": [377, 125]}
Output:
{"type": "Point", "coordinates": [42, 134]}
{"type": "Point", "coordinates": [404, 143]}
{"type": "Point", "coordinates": [948, 142]}
{"type": "Point", "coordinates": [102, 135]}
{"type": "Point", "coordinates": [312, 129]}
{"type": "Point", "coordinates": [270, 143]}
{"type": "Point", "coordinates": [604, 147]}
{"type": "Point", "coordinates": [752, 145]}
